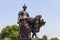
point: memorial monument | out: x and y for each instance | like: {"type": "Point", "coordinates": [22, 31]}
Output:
{"type": "Point", "coordinates": [28, 25]}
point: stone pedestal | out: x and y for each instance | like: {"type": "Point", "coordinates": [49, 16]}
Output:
{"type": "Point", "coordinates": [25, 39]}
{"type": "Point", "coordinates": [30, 39]}
{"type": "Point", "coordinates": [36, 39]}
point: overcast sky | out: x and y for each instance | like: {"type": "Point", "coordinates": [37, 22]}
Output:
{"type": "Point", "coordinates": [49, 9]}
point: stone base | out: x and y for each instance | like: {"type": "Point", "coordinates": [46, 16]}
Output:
{"type": "Point", "coordinates": [36, 39]}
{"type": "Point", "coordinates": [30, 39]}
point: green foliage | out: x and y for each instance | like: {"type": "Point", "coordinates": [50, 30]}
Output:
{"type": "Point", "coordinates": [45, 37]}
{"type": "Point", "coordinates": [0, 36]}
{"type": "Point", "coordinates": [10, 32]}
{"type": "Point", "coordinates": [5, 32]}
{"type": "Point", "coordinates": [55, 38]}
{"type": "Point", "coordinates": [6, 38]}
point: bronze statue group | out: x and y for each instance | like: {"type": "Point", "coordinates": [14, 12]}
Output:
{"type": "Point", "coordinates": [28, 24]}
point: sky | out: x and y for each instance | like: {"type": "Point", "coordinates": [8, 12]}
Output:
{"type": "Point", "coordinates": [49, 9]}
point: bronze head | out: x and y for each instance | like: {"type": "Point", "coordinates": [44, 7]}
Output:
{"type": "Point", "coordinates": [24, 7]}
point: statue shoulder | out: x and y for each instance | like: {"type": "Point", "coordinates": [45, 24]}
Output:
{"type": "Point", "coordinates": [20, 12]}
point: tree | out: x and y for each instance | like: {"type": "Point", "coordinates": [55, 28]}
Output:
{"type": "Point", "coordinates": [5, 32]}
{"type": "Point", "coordinates": [0, 36]}
{"type": "Point", "coordinates": [45, 37]}
{"type": "Point", "coordinates": [6, 38]}
{"type": "Point", "coordinates": [14, 32]}
{"type": "Point", "coordinates": [55, 38]}
{"type": "Point", "coordinates": [10, 32]}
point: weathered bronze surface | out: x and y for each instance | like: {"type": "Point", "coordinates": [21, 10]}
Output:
{"type": "Point", "coordinates": [28, 24]}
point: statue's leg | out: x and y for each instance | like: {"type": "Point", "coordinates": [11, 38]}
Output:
{"type": "Point", "coordinates": [36, 35]}
{"type": "Point", "coordinates": [33, 34]}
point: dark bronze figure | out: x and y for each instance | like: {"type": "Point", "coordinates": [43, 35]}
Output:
{"type": "Point", "coordinates": [38, 22]}
{"type": "Point", "coordinates": [27, 24]}
{"type": "Point", "coordinates": [23, 14]}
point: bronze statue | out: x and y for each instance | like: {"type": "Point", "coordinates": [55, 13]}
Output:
{"type": "Point", "coordinates": [38, 22]}
{"type": "Point", "coordinates": [28, 24]}
{"type": "Point", "coordinates": [25, 23]}
{"type": "Point", "coordinates": [23, 14]}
